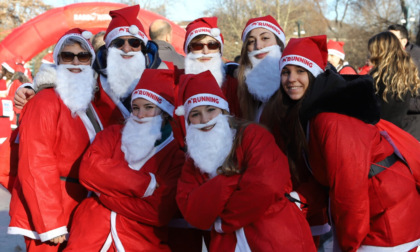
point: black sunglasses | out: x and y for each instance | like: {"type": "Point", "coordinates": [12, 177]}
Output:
{"type": "Point", "coordinates": [133, 42]}
{"type": "Point", "coordinates": [213, 45]}
{"type": "Point", "coordinates": [81, 56]}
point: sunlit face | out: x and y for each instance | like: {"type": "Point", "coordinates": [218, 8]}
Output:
{"type": "Point", "coordinates": [334, 60]}
{"type": "Point", "coordinates": [295, 81]}
{"type": "Point", "coordinates": [260, 38]}
{"type": "Point", "coordinates": [143, 108]}
{"type": "Point", "coordinates": [203, 114]}
{"type": "Point", "coordinates": [204, 46]}
{"type": "Point", "coordinates": [131, 44]}
{"type": "Point", "coordinates": [74, 48]}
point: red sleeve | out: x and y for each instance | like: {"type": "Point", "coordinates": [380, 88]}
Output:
{"type": "Point", "coordinates": [159, 208]}
{"type": "Point", "coordinates": [263, 182]}
{"type": "Point", "coordinates": [102, 172]}
{"type": "Point", "coordinates": [38, 171]}
{"type": "Point", "coordinates": [344, 143]}
{"type": "Point", "coordinates": [200, 200]}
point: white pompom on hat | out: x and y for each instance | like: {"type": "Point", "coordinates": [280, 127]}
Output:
{"type": "Point", "coordinates": [125, 23]}
{"type": "Point", "coordinates": [84, 35]}
{"type": "Point", "coordinates": [200, 26]}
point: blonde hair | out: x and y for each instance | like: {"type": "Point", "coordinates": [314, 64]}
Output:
{"type": "Point", "coordinates": [393, 66]}
{"type": "Point", "coordinates": [247, 102]}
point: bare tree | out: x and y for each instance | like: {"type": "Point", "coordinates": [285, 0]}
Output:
{"type": "Point", "coordinates": [15, 13]}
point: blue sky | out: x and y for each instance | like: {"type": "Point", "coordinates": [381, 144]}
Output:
{"type": "Point", "coordinates": [178, 10]}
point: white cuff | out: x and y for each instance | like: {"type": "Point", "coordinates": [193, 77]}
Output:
{"type": "Point", "coordinates": [295, 195]}
{"type": "Point", "coordinates": [53, 233]}
{"type": "Point", "coordinates": [152, 186]}
{"type": "Point", "coordinates": [27, 85]}
{"type": "Point", "coordinates": [218, 225]}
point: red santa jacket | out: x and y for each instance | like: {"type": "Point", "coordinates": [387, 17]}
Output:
{"type": "Point", "coordinates": [8, 122]}
{"type": "Point", "coordinates": [374, 213]}
{"type": "Point", "coordinates": [250, 210]}
{"type": "Point", "coordinates": [110, 111]}
{"type": "Point", "coordinates": [128, 214]}
{"type": "Point", "coordinates": [46, 191]}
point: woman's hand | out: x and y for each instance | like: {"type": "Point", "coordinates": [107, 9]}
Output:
{"type": "Point", "coordinates": [58, 239]}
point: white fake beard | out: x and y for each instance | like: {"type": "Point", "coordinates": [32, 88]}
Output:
{"type": "Point", "coordinates": [138, 139]}
{"type": "Point", "coordinates": [75, 89]}
{"type": "Point", "coordinates": [209, 149]}
{"type": "Point", "coordinates": [124, 74]}
{"type": "Point", "coordinates": [263, 79]}
{"type": "Point", "coordinates": [215, 65]}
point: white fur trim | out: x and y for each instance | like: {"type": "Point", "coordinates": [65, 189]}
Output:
{"type": "Point", "coordinates": [302, 62]}
{"type": "Point", "coordinates": [218, 225]}
{"type": "Point", "coordinates": [295, 195]}
{"type": "Point", "coordinates": [87, 34]}
{"type": "Point", "coordinates": [124, 31]}
{"type": "Point", "coordinates": [154, 98]}
{"type": "Point", "coordinates": [118, 244]}
{"type": "Point", "coordinates": [180, 111]}
{"type": "Point", "coordinates": [53, 233]}
{"type": "Point", "coordinates": [215, 32]}
{"type": "Point", "coordinates": [205, 99]}
{"type": "Point", "coordinates": [320, 229]}
{"type": "Point", "coordinates": [25, 232]}
{"type": "Point", "coordinates": [47, 74]}
{"type": "Point", "coordinates": [152, 186]}
{"type": "Point", "coordinates": [266, 25]}
{"type": "Point", "coordinates": [133, 29]}
{"type": "Point", "coordinates": [402, 247]}
{"type": "Point", "coordinates": [241, 241]}
{"type": "Point", "coordinates": [107, 243]}
{"type": "Point", "coordinates": [336, 53]}
{"type": "Point", "coordinates": [8, 68]}
{"type": "Point", "coordinates": [61, 41]}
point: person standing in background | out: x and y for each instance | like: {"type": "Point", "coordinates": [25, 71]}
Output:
{"type": "Point", "coordinates": [160, 31]}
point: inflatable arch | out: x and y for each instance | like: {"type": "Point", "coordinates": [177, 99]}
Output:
{"type": "Point", "coordinates": [29, 39]}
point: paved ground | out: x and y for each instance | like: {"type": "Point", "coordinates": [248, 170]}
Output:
{"type": "Point", "coordinates": [8, 243]}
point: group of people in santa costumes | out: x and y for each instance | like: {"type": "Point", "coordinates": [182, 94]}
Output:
{"type": "Point", "coordinates": [250, 189]}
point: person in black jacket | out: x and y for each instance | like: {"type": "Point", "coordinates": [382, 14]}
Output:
{"type": "Point", "coordinates": [395, 76]}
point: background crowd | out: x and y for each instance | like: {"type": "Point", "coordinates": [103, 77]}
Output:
{"type": "Point", "coordinates": [123, 144]}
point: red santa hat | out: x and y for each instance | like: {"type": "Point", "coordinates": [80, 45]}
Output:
{"type": "Point", "coordinates": [310, 53]}
{"type": "Point", "coordinates": [156, 86]}
{"type": "Point", "coordinates": [48, 58]}
{"type": "Point", "coordinates": [79, 34]}
{"type": "Point", "coordinates": [125, 23]}
{"type": "Point", "coordinates": [336, 48]}
{"type": "Point", "coordinates": [10, 65]}
{"type": "Point", "coordinates": [206, 26]}
{"type": "Point", "coordinates": [267, 22]}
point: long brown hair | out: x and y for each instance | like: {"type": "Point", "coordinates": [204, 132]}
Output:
{"type": "Point", "coordinates": [287, 129]}
{"type": "Point", "coordinates": [392, 66]}
{"type": "Point", "coordinates": [247, 102]}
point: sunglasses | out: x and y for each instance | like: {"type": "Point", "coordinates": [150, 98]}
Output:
{"type": "Point", "coordinates": [133, 42]}
{"type": "Point", "coordinates": [199, 46]}
{"type": "Point", "coordinates": [81, 56]}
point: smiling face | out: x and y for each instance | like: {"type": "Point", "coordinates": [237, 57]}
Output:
{"type": "Point", "coordinates": [74, 48]}
{"type": "Point", "coordinates": [143, 108]}
{"type": "Point", "coordinates": [260, 38]}
{"type": "Point", "coordinates": [295, 81]}
{"type": "Point", "coordinates": [203, 114]}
